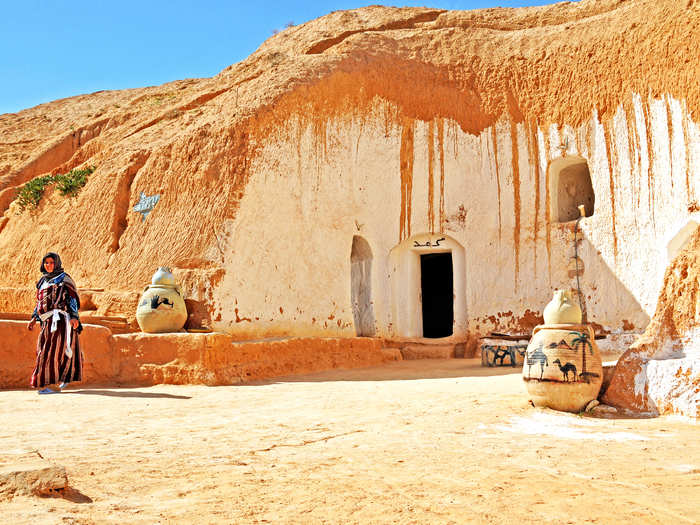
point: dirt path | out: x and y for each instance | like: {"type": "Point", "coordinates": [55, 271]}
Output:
{"type": "Point", "coordinates": [411, 442]}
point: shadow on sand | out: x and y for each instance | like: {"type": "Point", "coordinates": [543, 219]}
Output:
{"type": "Point", "coordinates": [124, 393]}
{"type": "Point", "coordinates": [69, 493]}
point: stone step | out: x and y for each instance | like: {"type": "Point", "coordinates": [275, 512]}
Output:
{"type": "Point", "coordinates": [392, 354]}
{"type": "Point", "coordinates": [15, 316]}
{"type": "Point", "coordinates": [422, 351]}
{"type": "Point", "coordinates": [118, 325]}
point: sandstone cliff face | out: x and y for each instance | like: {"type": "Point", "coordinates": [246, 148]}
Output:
{"type": "Point", "coordinates": [399, 126]}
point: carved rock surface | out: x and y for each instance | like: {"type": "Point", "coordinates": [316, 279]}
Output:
{"type": "Point", "coordinates": [198, 142]}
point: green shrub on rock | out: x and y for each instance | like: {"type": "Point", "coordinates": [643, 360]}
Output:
{"type": "Point", "coordinates": [30, 194]}
{"type": "Point", "coordinates": [68, 184]}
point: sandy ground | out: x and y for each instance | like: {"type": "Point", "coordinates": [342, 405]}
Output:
{"type": "Point", "coordinates": [410, 442]}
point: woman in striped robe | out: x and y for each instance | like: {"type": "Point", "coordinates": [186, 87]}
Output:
{"type": "Point", "coordinates": [58, 360]}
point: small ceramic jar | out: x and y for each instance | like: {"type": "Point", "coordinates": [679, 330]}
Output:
{"type": "Point", "coordinates": [562, 309]}
{"type": "Point", "coordinates": [162, 306]}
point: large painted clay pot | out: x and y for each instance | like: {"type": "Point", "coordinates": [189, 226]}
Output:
{"type": "Point", "coordinates": [562, 368]}
{"type": "Point", "coordinates": [562, 309]}
{"type": "Point", "coordinates": [161, 307]}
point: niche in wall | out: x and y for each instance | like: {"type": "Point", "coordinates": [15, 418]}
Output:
{"type": "Point", "coordinates": [570, 186]}
{"type": "Point", "coordinates": [361, 287]}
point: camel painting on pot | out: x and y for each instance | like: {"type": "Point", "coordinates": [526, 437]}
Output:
{"type": "Point", "coordinates": [562, 367]}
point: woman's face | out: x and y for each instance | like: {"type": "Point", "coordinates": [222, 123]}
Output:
{"type": "Point", "coordinates": [49, 264]}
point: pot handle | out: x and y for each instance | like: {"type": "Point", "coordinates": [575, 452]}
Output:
{"type": "Point", "coordinates": [591, 332]}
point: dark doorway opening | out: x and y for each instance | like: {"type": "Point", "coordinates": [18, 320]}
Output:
{"type": "Point", "coordinates": [437, 294]}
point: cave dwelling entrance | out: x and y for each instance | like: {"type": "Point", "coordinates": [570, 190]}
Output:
{"type": "Point", "coordinates": [428, 287]}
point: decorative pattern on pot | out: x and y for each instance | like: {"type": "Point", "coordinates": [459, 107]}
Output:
{"type": "Point", "coordinates": [562, 368]}
{"type": "Point", "coordinates": [162, 306]}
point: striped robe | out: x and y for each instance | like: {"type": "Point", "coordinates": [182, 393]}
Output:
{"type": "Point", "coordinates": [53, 364]}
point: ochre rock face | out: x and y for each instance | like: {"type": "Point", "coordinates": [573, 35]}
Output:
{"type": "Point", "coordinates": [385, 74]}
{"type": "Point", "coordinates": [194, 140]}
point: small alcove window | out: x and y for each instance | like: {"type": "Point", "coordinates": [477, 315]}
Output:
{"type": "Point", "coordinates": [571, 187]}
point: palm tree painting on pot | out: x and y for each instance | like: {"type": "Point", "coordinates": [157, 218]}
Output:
{"type": "Point", "coordinates": [582, 339]}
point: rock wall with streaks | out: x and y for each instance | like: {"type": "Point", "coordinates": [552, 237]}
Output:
{"type": "Point", "coordinates": [490, 192]}
{"type": "Point", "coordinates": [397, 125]}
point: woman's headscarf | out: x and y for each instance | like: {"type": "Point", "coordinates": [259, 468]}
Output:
{"type": "Point", "coordinates": [57, 267]}
{"type": "Point", "coordinates": [66, 280]}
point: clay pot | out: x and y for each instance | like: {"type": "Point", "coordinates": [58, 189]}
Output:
{"type": "Point", "coordinates": [161, 307]}
{"type": "Point", "coordinates": [562, 368]}
{"type": "Point", "coordinates": [163, 276]}
{"type": "Point", "coordinates": [562, 309]}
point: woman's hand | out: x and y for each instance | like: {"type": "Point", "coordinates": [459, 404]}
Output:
{"type": "Point", "coordinates": [31, 324]}
{"type": "Point", "coordinates": [74, 324]}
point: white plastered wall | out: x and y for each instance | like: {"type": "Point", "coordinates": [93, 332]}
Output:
{"type": "Point", "coordinates": [287, 252]}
